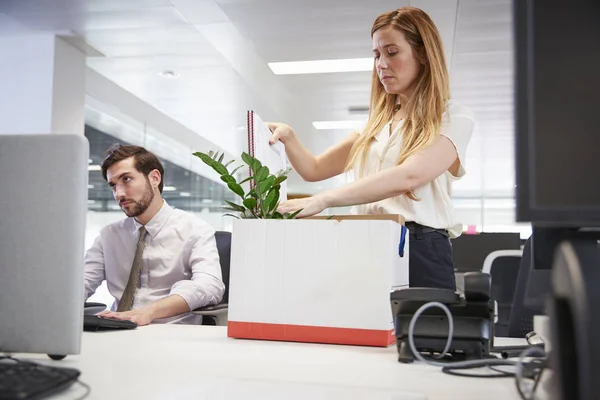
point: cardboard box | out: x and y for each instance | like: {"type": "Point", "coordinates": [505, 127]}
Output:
{"type": "Point", "coordinates": [317, 280]}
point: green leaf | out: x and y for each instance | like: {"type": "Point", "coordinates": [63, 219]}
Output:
{"type": "Point", "coordinates": [219, 168]}
{"type": "Point", "coordinates": [211, 154]}
{"type": "Point", "coordinates": [220, 160]}
{"type": "Point", "coordinates": [252, 162]}
{"type": "Point", "coordinates": [235, 170]}
{"type": "Point", "coordinates": [252, 193]}
{"type": "Point", "coordinates": [246, 180]}
{"type": "Point", "coordinates": [267, 184]}
{"type": "Point", "coordinates": [276, 215]}
{"type": "Point", "coordinates": [227, 178]}
{"type": "Point", "coordinates": [204, 157]}
{"type": "Point", "coordinates": [228, 163]}
{"type": "Point", "coordinates": [248, 214]}
{"type": "Point", "coordinates": [236, 207]}
{"type": "Point", "coordinates": [271, 200]}
{"type": "Point", "coordinates": [237, 189]}
{"type": "Point", "coordinates": [293, 215]}
{"type": "Point", "coordinates": [284, 171]}
{"type": "Point", "coordinates": [258, 192]}
{"type": "Point", "coordinates": [261, 174]}
{"type": "Point", "coordinates": [250, 203]}
{"type": "Point", "coordinates": [256, 165]}
{"type": "Point", "coordinates": [247, 158]}
{"type": "Point", "coordinates": [330, 217]}
{"type": "Point", "coordinates": [231, 215]}
{"type": "Point", "coordinates": [279, 180]}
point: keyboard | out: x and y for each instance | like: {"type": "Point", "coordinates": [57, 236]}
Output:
{"type": "Point", "coordinates": [24, 380]}
{"type": "Point", "coordinates": [95, 323]}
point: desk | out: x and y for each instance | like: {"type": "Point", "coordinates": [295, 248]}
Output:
{"type": "Point", "coordinates": [200, 362]}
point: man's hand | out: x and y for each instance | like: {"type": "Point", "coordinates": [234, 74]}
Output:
{"type": "Point", "coordinates": [141, 316]}
{"type": "Point", "coordinates": [163, 308]}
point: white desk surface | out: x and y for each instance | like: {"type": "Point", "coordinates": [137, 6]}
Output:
{"type": "Point", "coordinates": [200, 362]}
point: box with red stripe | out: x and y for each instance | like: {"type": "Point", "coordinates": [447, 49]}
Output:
{"type": "Point", "coordinates": [317, 280]}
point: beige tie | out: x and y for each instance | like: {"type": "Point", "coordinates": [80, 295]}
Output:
{"type": "Point", "coordinates": [127, 299]}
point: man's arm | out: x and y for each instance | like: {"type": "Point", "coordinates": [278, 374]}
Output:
{"type": "Point", "coordinates": [206, 284]}
{"type": "Point", "coordinates": [163, 308]}
{"type": "Point", "coordinates": [93, 267]}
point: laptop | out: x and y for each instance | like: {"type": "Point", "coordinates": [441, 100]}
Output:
{"type": "Point", "coordinates": [43, 206]}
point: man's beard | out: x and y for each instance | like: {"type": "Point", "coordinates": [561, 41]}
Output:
{"type": "Point", "coordinates": [139, 207]}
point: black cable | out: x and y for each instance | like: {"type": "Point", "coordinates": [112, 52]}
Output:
{"type": "Point", "coordinates": [506, 373]}
{"type": "Point", "coordinates": [537, 381]}
{"type": "Point", "coordinates": [533, 369]}
{"type": "Point", "coordinates": [87, 388]}
{"type": "Point", "coordinates": [498, 374]}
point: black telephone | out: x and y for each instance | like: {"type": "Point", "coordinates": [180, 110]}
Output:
{"type": "Point", "coordinates": [472, 313]}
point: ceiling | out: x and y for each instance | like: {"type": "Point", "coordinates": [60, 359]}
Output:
{"type": "Point", "coordinates": [220, 50]}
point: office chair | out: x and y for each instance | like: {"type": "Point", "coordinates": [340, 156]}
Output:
{"type": "Point", "coordinates": [503, 266]}
{"type": "Point", "coordinates": [532, 288]}
{"type": "Point", "coordinates": [217, 314]}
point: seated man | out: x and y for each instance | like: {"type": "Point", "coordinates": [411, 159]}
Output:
{"type": "Point", "coordinates": [159, 263]}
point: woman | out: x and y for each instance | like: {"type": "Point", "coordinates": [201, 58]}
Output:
{"type": "Point", "coordinates": [409, 153]}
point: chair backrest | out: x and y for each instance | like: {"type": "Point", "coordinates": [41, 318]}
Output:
{"type": "Point", "coordinates": [533, 285]}
{"type": "Point", "coordinates": [223, 239]}
{"type": "Point", "coordinates": [503, 266]}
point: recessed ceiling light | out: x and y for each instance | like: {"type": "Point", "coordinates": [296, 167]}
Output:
{"type": "Point", "coordinates": [322, 66]}
{"type": "Point", "coordinates": [91, 201]}
{"type": "Point", "coordinates": [90, 186]}
{"type": "Point", "coordinates": [169, 188]}
{"type": "Point", "coordinates": [207, 200]}
{"type": "Point", "coordinates": [169, 74]}
{"type": "Point", "coordinates": [94, 168]}
{"type": "Point", "coordinates": [325, 125]}
{"type": "Point", "coordinates": [184, 194]}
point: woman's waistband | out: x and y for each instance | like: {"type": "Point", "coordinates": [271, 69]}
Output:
{"type": "Point", "coordinates": [416, 229]}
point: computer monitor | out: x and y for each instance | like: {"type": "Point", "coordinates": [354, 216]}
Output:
{"type": "Point", "coordinates": [469, 251]}
{"type": "Point", "coordinates": [557, 49]}
{"type": "Point", "coordinates": [557, 59]}
{"type": "Point", "coordinates": [43, 205]}
{"type": "Point", "coordinates": [557, 86]}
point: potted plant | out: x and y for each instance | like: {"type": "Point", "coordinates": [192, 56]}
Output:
{"type": "Point", "coordinates": [262, 198]}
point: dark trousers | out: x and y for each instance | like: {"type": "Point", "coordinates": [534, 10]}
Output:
{"type": "Point", "coordinates": [430, 263]}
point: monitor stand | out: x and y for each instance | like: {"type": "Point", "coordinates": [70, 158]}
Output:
{"type": "Point", "coordinates": [575, 318]}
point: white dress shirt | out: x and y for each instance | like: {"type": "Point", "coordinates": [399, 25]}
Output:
{"type": "Point", "coordinates": [180, 257]}
{"type": "Point", "coordinates": [435, 208]}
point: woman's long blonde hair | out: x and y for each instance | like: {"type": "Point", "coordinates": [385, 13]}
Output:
{"type": "Point", "coordinates": [424, 110]}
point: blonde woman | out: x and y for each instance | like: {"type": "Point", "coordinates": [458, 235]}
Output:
{"type": "Point", "coordinates": [409, 153]}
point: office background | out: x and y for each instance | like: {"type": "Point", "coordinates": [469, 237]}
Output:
{"type": "Point", "coordinates": [177, 76]}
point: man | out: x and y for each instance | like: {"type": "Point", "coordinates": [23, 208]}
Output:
{"type": "Point", "coordinates": [159, 263]}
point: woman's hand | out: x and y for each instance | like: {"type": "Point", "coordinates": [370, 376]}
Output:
{"type": "Point", "coordinates": [309, 206]}
{"type": "Point", "coordinates": [281, 132]}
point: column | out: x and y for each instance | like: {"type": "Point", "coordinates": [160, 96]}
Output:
{"type": "Point", "coordinates": [43, 85]}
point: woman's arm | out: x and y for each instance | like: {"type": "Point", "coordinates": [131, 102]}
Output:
{"type": "Point", "coordinates": [309, 167]}
{"type": "Point", "coordinates": [416, 171]}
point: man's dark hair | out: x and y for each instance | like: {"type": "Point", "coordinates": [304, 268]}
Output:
{"type": "Point", "coordinates": [145, 162]}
